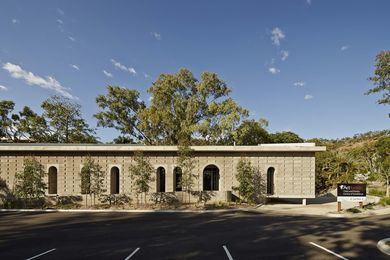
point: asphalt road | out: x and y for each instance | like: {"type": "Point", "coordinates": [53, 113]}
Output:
{"type": "Point", "coordinates": [235, 235]}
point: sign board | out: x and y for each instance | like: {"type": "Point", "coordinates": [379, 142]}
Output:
{"type": "Point", "coordinates": [351, 192]}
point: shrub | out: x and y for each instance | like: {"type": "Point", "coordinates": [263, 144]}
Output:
{"type": "Point", "coordinates": [377, 192]}
{"type": "Point", "coordinates": [385, 201]}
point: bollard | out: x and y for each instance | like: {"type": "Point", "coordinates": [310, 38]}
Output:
{"type": "Point", "coordinates": [361, 204]}
{"type": "Point", "coordinates": [338, 206]}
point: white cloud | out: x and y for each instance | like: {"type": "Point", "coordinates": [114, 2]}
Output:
{"type": "Point", "coordinates": [308, 2]}
{"type": "Point", "coordinates": [284, 54]}
{"type": "Point", "coordinates": [75, 67]}
{"type": "Point", "coordinates": [60, 21]}
{"type": "Point", "coordinates": [344, 48]}
{"type": "Point", "coordinates": [15, 21]}
{"type": "Point", "coordinates": [307, 97]}
{"type": "Point", "coordinates": [3, 88]}
{"type": "Point", "coordinates": [60, 12]}
{"type": "Point", "coordinates": [108, 74]}
{"type": "Point", "coordinates": [123, 67]}
{"type": "Point", "coordinates": [156, 35]}
{"type": "Point", "coordinates": [273, 70]}
{"type": "Point", "coordinates": [47, 83]}
{"type": "Point", "coordinates": [299, 83]}
{"type": "Point", "coordinates": [72, 38]}
{"type": "Point", "coordinates": [277, 36]}
{"type": "Point", "coordinates": [146, 76]}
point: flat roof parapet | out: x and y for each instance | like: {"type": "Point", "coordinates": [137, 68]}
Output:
{"type": "Point", "coordinates": [302, 147]}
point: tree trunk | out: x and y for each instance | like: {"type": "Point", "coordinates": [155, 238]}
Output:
{"type": "Point", "coordinates": [387, 187]}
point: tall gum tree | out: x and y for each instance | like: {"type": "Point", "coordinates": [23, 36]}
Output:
{"type": "Point", "coordinates": [182, 110]}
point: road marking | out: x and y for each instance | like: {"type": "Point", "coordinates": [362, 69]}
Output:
{"type": "Point", "coordinates": [44, 253]}
{"type": "Point", "coordinates": [135, 251]}
{"type": "Point", "coordinates": [327, 250]}
{"type": "Point", "coordinates": [227, 252]}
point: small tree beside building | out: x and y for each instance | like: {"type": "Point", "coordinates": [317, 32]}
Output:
{"type": "Point", "coordinates": [141, 172]}
{"type": "Point", "coordinates": [29, 183]}
{"type": "Point", "coordinates": [186, 163]}
{"type": "Point", "coordinates": [251, 186]}
{"type": "Point", "coordinates": [92, 179]}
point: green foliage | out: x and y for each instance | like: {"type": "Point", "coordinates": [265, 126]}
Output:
{"type": "Point", "coordinates": [121, 109]}
{"type": "Point", "coordinates": [29, 183]}
{"type": "Point", "coordinates": [252, 132]}
{"type": "Point", "coordinates": [365, 154]}
{"type": "Point", "coordinates": [251, 185]}
{"type": "Point", "coordinates": [30, 126]}
{"type": "Point", "coordinates": [141, 172]}
{"type": "Point", "coordinates": [6, 107]}
{"type": "Point", "coordinates": [381, 78]}
{"type": "Point", "coordinates": [285, 137]}
{"type": "Point", "coordinates": [92, 178]}
{"type": "Point", "coordinates": [7, 197]}
{"type": "Point", "coordinates": [66, 122]}
{"type": "Point", "coordinates": [115, 199]}
{"type": "Point", "coordinates": [186, 163]}
{"type": "Point", "coordinates": [384, 201]}
{"type": "Point", "coordinates": [182, 110]}
{"type": "Point", "coordinates": [377, 192]}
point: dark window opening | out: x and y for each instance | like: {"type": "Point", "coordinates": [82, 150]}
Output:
{"type": "Point", "coordinates": [270, 180]}
{"type": "Point", "coordinates": [160, 179]}
{"type": "Point", "coordinates": [114, 185]}
{"type": "Point", "coordinates": [211, 178]}
{"type": "Point", "coordinates": [52, 187]}
{"type": "Point", "coordinates": [177, 177]}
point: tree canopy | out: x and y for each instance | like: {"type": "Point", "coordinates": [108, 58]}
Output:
{"type": "Point", "coordinates": [66, 122]}
{"type": "Point", "coordinates": [381, 78]}
{"type": "Point", "coordinates": [181, 109]}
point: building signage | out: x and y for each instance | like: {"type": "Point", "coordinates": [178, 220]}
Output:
{"type": "Point", "coordinates": [351, 192]}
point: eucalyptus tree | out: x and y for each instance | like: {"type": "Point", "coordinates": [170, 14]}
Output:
{"type": "Point", "coordinates": [381, 78]}
{"type": "Point", "coordinates": [66, 122]}
{"type": "Point", "coordinates": [181, 109]}
{"type": "Point", "coordinates": [6, 124]}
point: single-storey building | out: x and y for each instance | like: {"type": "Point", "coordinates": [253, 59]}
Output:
{"type": "Point", "coordinates": [288, 169]}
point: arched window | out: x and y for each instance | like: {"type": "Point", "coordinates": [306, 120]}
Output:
{"type": "Point", "coordinates": [160, 179]}
{"type": "Point", "coordinates": [52, 189]}
{"type": "Point", "coordinates": [177, 175]}
{"type": "Point", "coordinates": [211, 178]}
{"type": "Point", "coordinates": [270, 180]}
{"type": "Point", "coordinates": [114, 185]}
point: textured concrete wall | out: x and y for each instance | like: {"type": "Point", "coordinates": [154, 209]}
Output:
{"type": "Point", "coordinates": [294, 171]}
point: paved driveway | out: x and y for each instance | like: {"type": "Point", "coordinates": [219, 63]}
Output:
{"type": "Point", "coordinates": [233, 235]}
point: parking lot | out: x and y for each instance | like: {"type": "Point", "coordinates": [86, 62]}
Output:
{"type": "Point", "coordinates": [232, 235]}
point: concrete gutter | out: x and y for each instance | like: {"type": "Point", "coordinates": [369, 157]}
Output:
{"type": "Point", "coordinates": [384, 246]}
{"type": "Point", "coordinates": [377, 212]}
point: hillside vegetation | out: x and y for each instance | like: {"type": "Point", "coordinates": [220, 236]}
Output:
{"type": "Point", "coordinates": [361, 158]}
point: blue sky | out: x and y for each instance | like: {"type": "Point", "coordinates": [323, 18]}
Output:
{"type": "Point", "coordinates": [303, 65]}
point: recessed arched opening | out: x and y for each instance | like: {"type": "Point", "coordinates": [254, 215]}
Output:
{"type": "Point", "coordinates": [270, 180]}
{"type": "Point", "coordinates": [52, 183]}
{"type": "Point", "coordinates": [211, 178]}
{"type": "Point", "coordinates": [177, 177]}
{"type": "Point", "coordinates": [114, 180]}
{"type": "Point", "coordinates": [160, 179]}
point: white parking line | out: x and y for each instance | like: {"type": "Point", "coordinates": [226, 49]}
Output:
{"type": "Point", "coordinates": [135, 251]}
{"type": "Point", "coordinates": [227, 252]}
{"type": "Point", "coordinates": [44, 253]}
{"type": "Point", "coordinates": [327, 250]}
